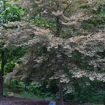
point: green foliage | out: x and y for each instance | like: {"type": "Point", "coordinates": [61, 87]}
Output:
{"type": "Point", "coordinates": [16, 86]}
{"type": "Point", "coordinates": [100, 10]}
{"type": "Point", "coordinates": [10, 63]}
{"type": "Point", "coordinates": [11, 13]}
{"type": "Point", "coordinates": [12, 59]}
{"type": "Point", "coordinates": [33, 90]}
{"type": "Point", "coordinates": [43, 22]}
{"type": "Point", "coordinates": [27, 95]}
{"type": "Point", "coordinates": [9, 67]}
{"type": "Point", "coordinates": [92, 93]}
{"type": "Point", "coordinates": [92, 23]}
{"type": "Point", "coordinates": [85, 6]}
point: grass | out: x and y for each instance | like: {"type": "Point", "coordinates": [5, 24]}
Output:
{"type": "Point", "coordinates": [25, 94]}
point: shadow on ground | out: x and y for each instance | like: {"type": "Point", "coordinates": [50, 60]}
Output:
{"type": "Point", "coordinates": [26, 101]}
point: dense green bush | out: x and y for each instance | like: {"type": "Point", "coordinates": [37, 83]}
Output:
{"type": "Point", "coordinates": [11, 13]}
{"type": "Point", "coordinates": [89, 94]}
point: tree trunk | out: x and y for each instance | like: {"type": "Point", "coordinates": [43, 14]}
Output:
{"type": "Point", "coordinates": [61, 101]}
{"type": "Point", "coordinates": [2, 73]}
{"type": "Point", "coordinates": [104, 98]}
{"type": "Point", "coordinates": [58, 26]}
{"type": "Point", "coordinates": [2, 58]}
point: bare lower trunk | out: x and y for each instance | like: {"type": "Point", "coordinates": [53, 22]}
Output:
{"type": "Point", "coordinates": [61, 101]}
{"type": "Point", "coordinates": [2, 57]}
{"type": "Point", "coordinates": [104, 99]}
{"type": "Point", "coordinates": [2, 73]}
{"type": "Point", "coordinates": [1, 85]}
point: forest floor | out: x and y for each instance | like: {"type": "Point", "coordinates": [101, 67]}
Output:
{"type": "Point", "coordinates": [25, 101]}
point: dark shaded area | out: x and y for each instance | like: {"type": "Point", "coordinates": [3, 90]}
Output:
{"type": "Point", "coordinates": [26, 101]}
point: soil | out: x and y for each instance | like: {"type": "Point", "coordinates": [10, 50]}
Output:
{"type": "Point", "coordinates": [25, 101]}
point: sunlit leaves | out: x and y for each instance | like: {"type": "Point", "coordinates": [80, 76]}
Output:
{"type": "Point", "coordinates": [11, 12]}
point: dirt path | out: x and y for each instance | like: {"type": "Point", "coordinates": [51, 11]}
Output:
{"type": "Point", "coordinates": [24, 101]}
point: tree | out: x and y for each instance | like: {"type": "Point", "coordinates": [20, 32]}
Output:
{"type": "Point", "coordinates": [3, 61]}
{"type": "Point", "coordinates": [73, 57]}
{"type": "Point", "coordinates": [79, 16]}
{"type": "Point", "coordinates": [57, 58]}
{"type": "Point", "coordinates": [7, 15]}
{"type": "Point", "coordinates": [54, 57]}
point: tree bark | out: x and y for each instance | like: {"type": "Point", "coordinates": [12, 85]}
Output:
{"type": "Point", "coordinates": [61, 101]}
{"type": "Point", "coordinates": [104, 98]}
{"type": "Point", "coordinates": [2, 73]}
{"type": "Point", "coordinates": [58, 26]}
{"type": "Point", "coordinates": [2, 58]}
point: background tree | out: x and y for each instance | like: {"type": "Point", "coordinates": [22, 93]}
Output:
{"type": "Point", "coordinates": [8, 13]}
{"type": "Point", "coordinates": [3, 61]}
